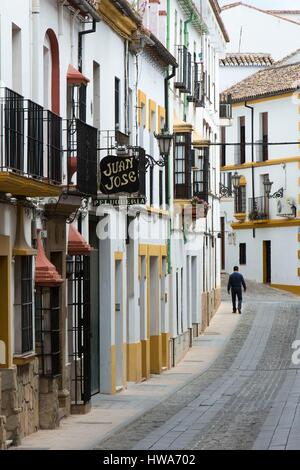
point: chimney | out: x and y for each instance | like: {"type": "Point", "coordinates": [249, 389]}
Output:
{"type": "Point", "coordinates": [154, 6]}
{"type": "Point", "coordinates": [162, 26]}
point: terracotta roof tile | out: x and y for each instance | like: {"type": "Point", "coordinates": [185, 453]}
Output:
{"type": "Point", "coordinates": [247, 59]}
{"type": "Point", "coordinates": [271, 81]}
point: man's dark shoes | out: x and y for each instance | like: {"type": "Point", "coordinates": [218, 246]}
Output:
{"type": "Point", "coordinates": [233, 311]}
{"type": "Point", "coordinates": [240, 311]}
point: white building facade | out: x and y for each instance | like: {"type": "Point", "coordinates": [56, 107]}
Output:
{"type": "Point", "coordinates": [96, 295]}
{"type": "Point", "coordinates": [260, 224]}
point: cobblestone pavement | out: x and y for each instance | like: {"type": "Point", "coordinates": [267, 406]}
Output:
{"type": "Point", "coordinates": [249, 398]}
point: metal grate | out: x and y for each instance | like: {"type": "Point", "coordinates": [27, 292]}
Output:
{"type": "Point", "coordinates": [26, 303]}
{"type": "Point", "coordinates": [47, 330]}
{"type": "Point", "coordinates": [78, 269]}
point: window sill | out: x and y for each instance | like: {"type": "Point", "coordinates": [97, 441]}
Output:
{"type": "Point", "coordinates": [24, 359]}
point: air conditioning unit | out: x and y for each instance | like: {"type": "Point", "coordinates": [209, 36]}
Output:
{"type": "Point", "coordinates": [286, 207]}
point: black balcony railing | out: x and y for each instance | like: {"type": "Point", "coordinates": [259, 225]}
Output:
{"type": "Point", "coordinates": [259, 208]}
{"type": "Point", "coordinates": [35, 148]}
{"type": "Point", "coordinates": [54, 146]}
{"type": "Point", "coordinates": [197, 94]}
{"type": "Point", "coordinates": [12, 131]}
{"type": "Point", "coordinates": [183, 79]}
{"type": "Point", "coordinates": [226, 107]}
{"type": "Point", "coordinates": [30, 139]}
{"type": "Point", "coordinates": [82, 156]}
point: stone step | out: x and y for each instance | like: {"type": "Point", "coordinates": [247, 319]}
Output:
{"type": "Point", "coordinates": [8, 443]}
{"type": "Point", "coordinates": [61, 413]}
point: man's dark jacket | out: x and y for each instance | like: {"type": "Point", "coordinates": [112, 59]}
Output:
{"type": "Point", "coordinates": [236, 281]}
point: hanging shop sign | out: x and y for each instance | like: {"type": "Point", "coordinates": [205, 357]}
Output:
{"type": "Point", "coordinates": [119, 201]}
{"type": "Point", "coordinates": [119, 175]}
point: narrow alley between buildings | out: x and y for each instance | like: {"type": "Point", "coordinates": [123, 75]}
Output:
{"type": "Point", "coordinates": [237, 388]}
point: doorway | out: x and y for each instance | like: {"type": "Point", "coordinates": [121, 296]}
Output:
{"type": "Point", "coordinates": [119, 324]}
{"type": "Point", "coordinates": [267, 262]}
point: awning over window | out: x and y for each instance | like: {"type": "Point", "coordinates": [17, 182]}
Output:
{"type": "Point", "coordinates": [75, 77]}
{"type": "Point", "coordinates": [77, 244]}
{"type": "Point", "coordinates": [46, 274]}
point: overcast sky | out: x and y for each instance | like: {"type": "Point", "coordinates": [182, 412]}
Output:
{"type": "Point", "coordinates": [269, 4]}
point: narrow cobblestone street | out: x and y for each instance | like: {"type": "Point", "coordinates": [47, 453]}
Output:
{"type": "Point", "coordinates": [249, 398]}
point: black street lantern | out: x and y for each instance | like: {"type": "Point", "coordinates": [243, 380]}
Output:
{"type": "Point", "coordinates": [236, 180]}
{"type": "Point", "coordinates": [268, 186]}
{"type": "Point", "coordinates": [165, 140]}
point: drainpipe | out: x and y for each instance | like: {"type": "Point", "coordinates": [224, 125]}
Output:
{"type": "Point", "coordinates": [35, 49]}
{"type": "Point", "coordinates": [80, 39]}
{"type": "Point", "coordinates": [252, 152]}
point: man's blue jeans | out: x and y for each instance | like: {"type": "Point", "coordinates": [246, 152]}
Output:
{"type": "Point", "coordinates": [236, 292]}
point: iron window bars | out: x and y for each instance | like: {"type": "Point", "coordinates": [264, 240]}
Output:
{"type": "Point", "coordinates": [78, 273]}
{"type": "Point", "coordinates": [226, 107]}
{"type": "Point", "coordinates": [83, 146]}
{"type": "Point", "coordinates": [23, 305]}
{"type": "Point", "coordinates": [183, 77]}
{"type": "Point", "coordinates": [197, 93]}
{"type": "Point", "coordinates": [258, 208]}
{"type": "Point", "coordinates": [47, 330]}
{"type": "Point", "coordinates": [240, 200]}
{"type": "Point", "coordinates": [30, 138]}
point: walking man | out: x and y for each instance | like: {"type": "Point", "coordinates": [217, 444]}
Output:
{"type": "Point", "coordinates": [235, 283]}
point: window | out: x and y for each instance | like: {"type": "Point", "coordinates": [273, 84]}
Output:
{"type": "Point", "coordinates": [242, 253]}
{"type": "Point", "coordinates": [23, 305]}
{"type": "Point", "coordinates": [240, 200]}
{"type": "Point", "coordinates": [160, 188]}
{"type": "Point", "coordinates": [264, 135]}
{"type": "Point", "coordinates": [182, 162]}
{"type": "Point", "coordinates": [223, 146]}
{"type": "Point", "coordinates": [47, 330]}
{"type": "Point", "coordinates": [201, 173]}
{"type": "Point", "coordinates": [242, 140]}
{"type": "Point", "coordinates": [117, 103]}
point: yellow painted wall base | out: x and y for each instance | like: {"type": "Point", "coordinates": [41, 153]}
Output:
{"type": "Point", "coordinates": [134, 362]}
{"type": "Point", "coordinates": [124, 364]}
{"type": "Point", "coordinates": [293, 289]}
{"type": "Point", "coordinates": [155, 354]}
{"type": "Point", "coordinates": [165, 339]}
{"type": "Point", "coordinates": [145, 358]}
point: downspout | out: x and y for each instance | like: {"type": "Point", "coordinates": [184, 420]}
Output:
{"type": "Point", "coordinates": [252, 153]}
{"type": "Point", "coordinates": [80, 40]}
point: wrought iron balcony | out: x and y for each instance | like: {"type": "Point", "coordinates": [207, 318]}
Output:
{"type": "Point", "coordinates": [226, 107]}
{"type": "Point", "coordinates": [197, 94]}
{"type": "Point", "coordinates": [82, 157]}
{"type": "Point", "coordinates": [30, 146]}
{"type": "Point", "coordinates": [258, 208]}
{"type": "Point", "coordinates": [183, 79]}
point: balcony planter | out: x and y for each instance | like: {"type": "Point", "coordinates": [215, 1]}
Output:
{"type": "Point", "coordinates": [198, 209]}
{"type": "Point", "coordinates": [257, 216]}
{"type": "Point", "coordinates": [241, 216]}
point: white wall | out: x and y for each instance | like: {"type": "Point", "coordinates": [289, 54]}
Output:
{"type": "Point", "coordinates": [282, 36]}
